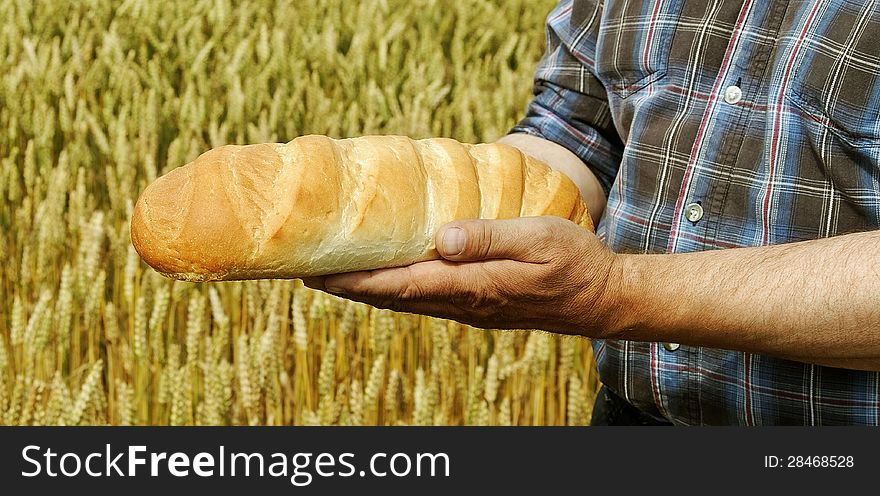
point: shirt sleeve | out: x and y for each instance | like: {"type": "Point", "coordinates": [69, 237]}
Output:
{"type": "Point", "coordinates": [570, 104]}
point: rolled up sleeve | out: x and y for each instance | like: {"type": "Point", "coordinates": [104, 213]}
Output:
{"type": "Point", "coordinates": [570, 104]}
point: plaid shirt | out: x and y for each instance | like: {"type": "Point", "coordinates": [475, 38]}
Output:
{"type": "Point", "coordinates": [713, 125]}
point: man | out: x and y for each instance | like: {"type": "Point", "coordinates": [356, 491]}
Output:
{"type": "Point", "coordinates": [738, 146]}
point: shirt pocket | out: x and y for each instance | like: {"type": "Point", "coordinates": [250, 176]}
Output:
{"type": "Point", "coordinates": [633, 44]}
{"type": "Point", "coordinates": [836, 87]}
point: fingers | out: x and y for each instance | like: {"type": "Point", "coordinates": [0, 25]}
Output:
{"type": "Point", "coordinates": [379, 288]}
{"type": "Point", "coordinates": [412, 282]}
{"type": "Point", "coordinates": [316, 282]}
{"type": "Point", "coordinates": [445, 308]}
{"type": "Point", "coordinates": [523, 239]}
{"type": "Point", "coordinates": [472, 283]}
{"type": "Point", "coordinates": [429, 308]}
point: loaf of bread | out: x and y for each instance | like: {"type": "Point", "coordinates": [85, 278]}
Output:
{"type": "Point", "coordinates": [318, 206]}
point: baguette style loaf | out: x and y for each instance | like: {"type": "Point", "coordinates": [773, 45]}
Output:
{"type": "Point", "coordinates": [317, 206]}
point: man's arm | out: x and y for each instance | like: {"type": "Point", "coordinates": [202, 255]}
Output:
{"type": "Point", "coordinates": [814, 301]}
{"type": "Point", "coordinates": [562, 159]}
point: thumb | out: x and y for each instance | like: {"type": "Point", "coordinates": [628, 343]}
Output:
{"type": "Point", "coordinates": [474, 240]}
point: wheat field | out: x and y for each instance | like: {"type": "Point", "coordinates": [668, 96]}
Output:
{"type": "Point", "coordinates": [99, 97]}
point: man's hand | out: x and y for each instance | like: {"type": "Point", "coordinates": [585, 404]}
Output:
{"type": "Point", "coordinates": [813, 301]}
{"type": "Point", "coordinates": [529, 273]}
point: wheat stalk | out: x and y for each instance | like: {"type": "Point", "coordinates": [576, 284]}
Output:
{"type": "Point", "coordinates": [101, 97]}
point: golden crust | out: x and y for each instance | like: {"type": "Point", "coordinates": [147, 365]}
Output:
{"type": "Point", "coordinates": [318, 206]}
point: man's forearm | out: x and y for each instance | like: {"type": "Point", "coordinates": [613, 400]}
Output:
{"type": "Point", "coordinates": [560, 158]}
{"type": "Point", "coordinates": [813, 301]}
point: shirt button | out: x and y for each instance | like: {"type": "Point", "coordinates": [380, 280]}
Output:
{"type": "Point", "coordinates": [671, 346]}
{"type": "Point", "coordinates": [733, 94]}
{"type": "Point", "coordinates": [693, 212]}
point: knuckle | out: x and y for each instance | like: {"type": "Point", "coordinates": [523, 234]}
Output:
{"type": "Point", "coordinates": [411, 291]}
{"type": "Point", "coordinates": [547, 243]}
{"type": "Point", "coordinates": [558, 240]}
{"type": "Point", "coordinates": [480, 240]}
{"type": "Point", "coordinates": [486, 299]}
{"type": "Point", "coordinates": [481, 303]}
{"type": "Point", "coordinates": [410, 288]}
{"type": "Point", "coordinates": [549, 231]}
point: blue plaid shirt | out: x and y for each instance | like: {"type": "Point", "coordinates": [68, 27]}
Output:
{"type": "Point", "coordinates": [713, 125]}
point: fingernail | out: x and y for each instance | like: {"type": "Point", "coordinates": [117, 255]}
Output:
{"type": "Point", "coordinates": [453, 241]}
{"type": "Point", "coordinates": [334, 289]}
